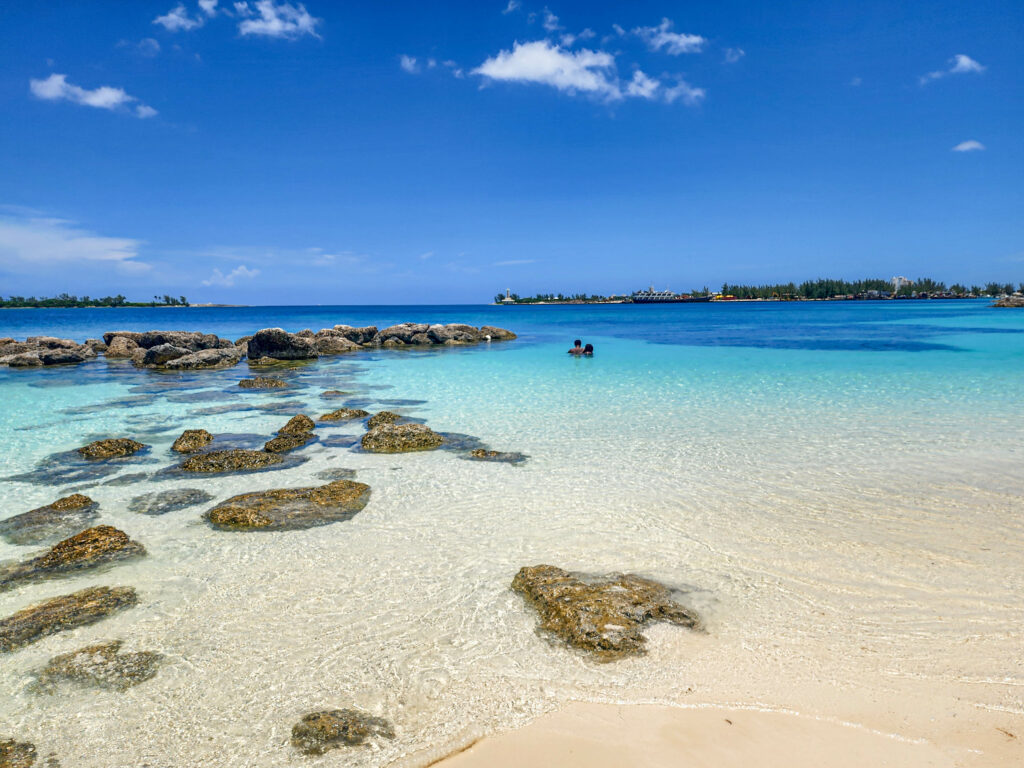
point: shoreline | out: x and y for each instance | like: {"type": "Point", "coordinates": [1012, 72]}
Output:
{"type": "Point", "coordinates": [593, 735]}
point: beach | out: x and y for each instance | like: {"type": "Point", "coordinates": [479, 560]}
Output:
{"type": "Point", "coordinates": [833, 489]}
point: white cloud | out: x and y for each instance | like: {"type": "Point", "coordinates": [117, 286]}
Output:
{"type": "Point", "coordinates": [148, 46]}
{"type": "Point", "coordinates": [178, 20]}
{"type": "Point", "coordinates": [958, 65]}
{"type": "Point", "coordinates": [619, 30]}
{"type": "Point", "coordinates": [57, 88]}
{"type": "Point", "coordinates": [732, 55]}
{"type": "Point", "coordinates": [454, 67]}
{"type": "Point", "coordinates": [243, 9]}
{"type": "Point", "coordinates": [228, 280]}
{"type": "Point", "coordinates": [408, 63]}
{"type": "Point", "coordinates": [969, 146]}
{"type": "Point", "coordinates": [513, 5]}
{"type": "Point", "coordinates": [684, 92]}
{"type": "Point", "coordinates": [514, 262]}
{"type": "Point", "coordinates": [674, 43]}
{"type": "Point", "coordinates": [282, 20]}
{"type": "Point", "coordinates": [642, 86]}
{"type": "Point", "coordinates": [542, 62]}
{"type": "Point", "coordinates": [551, 21]}
{"type": "Point", "coordinates": [209, 6]}
{"type": "Point", "coordinates": [426, 255]}
{"type": "Point", "coordinates": [31, 242]}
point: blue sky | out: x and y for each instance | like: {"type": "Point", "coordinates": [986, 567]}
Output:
{"type": "Point", "coordinates": [271, 152]}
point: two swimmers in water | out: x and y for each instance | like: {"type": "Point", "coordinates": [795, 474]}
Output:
{"type": "Point", "coordinates": [579, 350]}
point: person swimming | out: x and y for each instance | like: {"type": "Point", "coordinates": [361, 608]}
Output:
{"type": "Point", "coordinates": [577, 348]}
{"type": "Point", "coordinates": [588, 351]}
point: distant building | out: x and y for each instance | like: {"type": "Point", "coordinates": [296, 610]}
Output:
{"type": "Point", "coordinates": [508, 297]}
{"type": "Point", "coordinates": [899, 282]}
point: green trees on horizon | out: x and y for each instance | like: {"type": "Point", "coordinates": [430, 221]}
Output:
{"type": "Point", "coordinates": [66, 300]}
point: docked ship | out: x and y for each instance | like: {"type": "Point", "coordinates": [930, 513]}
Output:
{"type": "Point", "coordinates": [651, 296]}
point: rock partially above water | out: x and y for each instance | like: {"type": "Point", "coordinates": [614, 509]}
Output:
{"type": "Point", "coordinates": [91, 548]}
{"type": "Point", "coordinates": [50, 523]}
{"type": "Point", "coordinates": [262, 382]}
{"type": "Point", "coordinates": [221, 357]}
{"type": "Point", "coordinates": [17, 754]}
{"type": "Point", "coordinates": [231, 460]}
{"type": "Point", "coordinates": [384, 417]}
{"type": "Point", "coordinates": [192, 440]}
{"type": "Point", "coordinates": [297, 425]}
{"type": "Point", "coordinates": [331, 393]}
{"type": "Point", "coordinates": [111, 448]}
{"type": "Point", "coordinates": [43, 350]}
{"type": "Point", "coordinates": [1012, 300]}
{"type": "Point", "coordinates": [286, 443]}
{"type": "Point", "coordinates": [507, 457]}
{"type": "Point", "coordinates": [401, 438]}
{"type": "Point", "coordinates": [78, 609]}
{"type": "Point", "coordinates": [278, 344]}
{"type": "Point", "coordinates": [319, 732]}
{"type": "Point", "coordinates": [162, 502]}
{"type": "Point", "coordinates": [331, 342]}
{"type": "Point", "coordinates": [345, 414]}
{"type": "Point", "coordinates": [99, 666]}
{"type": "Point", "coordinates": [291, 508]}
{"type": "Point", "coordinates": [603, 616]}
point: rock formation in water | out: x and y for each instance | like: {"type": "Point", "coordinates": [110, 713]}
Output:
{"type": "Point", "coordinates": [162, 502]}
{"type": "Point", "coordinates": [297, 425]}
{"type": "Point", "coordinates": [345, 414]}
{"type": "Point", "coordinates": [43, 350]}
{"type": "Point", "coordinates": [53, 522]}
{"type": "Point", "coordinates": [291, 508]}
{"type": "Point", "coordinates": [401, 438]}
{"type": "Point", "coordinates": [111, 448]}
{"type": "Point", "coordinates": [192, 440]}
{"type": "Point", "coordinates": [78, 609]}
{"type": "Point", "coordinates": [382, 418]}
{"type": "Point", "coordinates": [91, 548]}
{"type": "Point", "coordinates": [278, 344]}
{"type": "Point", "coordinates": [286, 443]}
{"type": "Point", "coordinates": [102, 665]}
{"type": "Point", "coordinates": [1013, 300]}
{"type": "Point", "coordinates": [319, 732]}
{"type": "Point", "coordinates": [262, 382]}
{"type": "Point", "coordinates": [603, 616]}
{"type": "Point", "coordinates": [230, 460]}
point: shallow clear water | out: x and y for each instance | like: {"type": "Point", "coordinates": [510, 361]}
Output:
{"type": "Point", "coordinates": [837, 488]}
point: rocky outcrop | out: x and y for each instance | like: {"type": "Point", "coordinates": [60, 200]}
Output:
{"type": "Point", "coordinates": [174, 350]}
{"type": "Point", "coordinates": [278, 344]}
{"type": "Point", "coordinates": [103, 665]}
{"type": "Point", "coordinates": [603, 616]}
{"type": "Point", "coordinates": [262, 382]}
{"type": "Point", "coordinates": [286, 443]}
{"type": "Point", "coordinates": [132, 336]}
{"type": "Point", "coordinates": [91, 548]}
{"type": "Point", "coordinates": [332, 342]}
{"type": "Point", "coordinates": [497, 334]}
{"type": "Point", "coordinates": [161, 354]}
{"type": "Point", "coordinates": [401, 438]}
{"type": "Point", "coordinates": [51, 523]}
{"type": "Point", "coordinates": [381, 418]}
{"type": "Point", "coordinates": [231, 460]}
{"type": "Point", "coordinates": [420, 334]}
{"type": "Point", "coordinates": [291, 508]}
{"type": "Point", "coordinates": [297, 425]}
{"type": "Point", "coordinates": [37, 351]}
{"type": "Point", "coordinates": [332, 393]}
{"type": "Point", "coordinates": [319, 732]}
{"type": "Point", "coordinates": [360, 336]}
{"type": "Point", "coordinates": [192, 440]}
{"type": "Point", "coordinates": [162, 502]}
{"type": "Point", "coordinates": [345, 414]}
{"type": "Point", "coordinates": [111, 448]}
{"type": "Point", "coordinates": [120, 346]}
{"type": "Point", "coordinates": [1013, 300]}
{"type": "Point", "coordinates": [17, 754]}
{"type": "Point", "coordinates": [78, 609]}
{"type": "Point", "coordinates": [221, 357]}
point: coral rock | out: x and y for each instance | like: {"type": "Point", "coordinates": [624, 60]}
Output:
{"type": "Point", "coordinates": [401, 438]}
{"type": "Point", "coordinates": [78, 609]}
{"type": "Point", "coordinates": [319, 732]}
{"type": "Point", "coordinates": [111, 449]}
{"type": "Point", "coordinates": [192, 440]}
{"type": "Point", "coordinates": [291, 508]}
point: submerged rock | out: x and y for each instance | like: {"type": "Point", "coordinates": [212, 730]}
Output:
{"type": "Point", "coordinates": [291, 508]}
{"type": "Point", "coordinates": [285, 443]}
{"type": "Point", "coordinates": [17, 754]}
{"type": "Point", "coordinates": [100, 666]}
{"type": "Point", "coordinates": [401, 438]}
{"type": "Point", "coordinates": [278, 344]}
{"type": "Point", "coordinates": [384, 417]}
{"type": "Point", "coordinates": [297, 425]}
{"type": "Point", "coordinates": [53, 522]}
{"type": "Point", "coordinates": [345, 414]}
{"type": "Point", "coordinates": [78, 609]}
{"type": "Point", "coordinates": [335, 393]}
{"type": "Point", "coordinates": [485, 454]}
{"type": "Point", "coordinates": [230, 460]}
{"type": "Point", "coordinates": [603, 616]}
{"type": "Point", "coordinates": [192, 440]}
{"type": "Point", "coordinates": [91, 548]}
{"type": "Point", "coordinates": [319, 732]}
{"type": "Point", "coordinates": [111, 448]}
{"type": "Point", "coordinates": [162, 502]}
{"type": "Point", "coordinates": [338, 473]}
{"type": "Point", "coordinates": [262, 382]}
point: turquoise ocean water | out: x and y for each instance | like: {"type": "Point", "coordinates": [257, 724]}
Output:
{"type": "Point", "coordinates": [835, 486]}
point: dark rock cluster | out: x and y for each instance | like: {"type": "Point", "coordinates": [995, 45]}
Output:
{"type": "Point", "coordinates": [103, 665]}
{"type": "Point", "coordinates": [53, 522]}
{"type": "Point", "coordinates": [291, 508]}
{"type": "Point", "coordinates": [78, 609]}
{"type": "Point", "coordinates": [319, 732]}
{"type": "Point", "coordinates": [91, 548]}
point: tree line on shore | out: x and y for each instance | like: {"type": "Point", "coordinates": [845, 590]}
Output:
{"type": "Point", "coordinates": [66, 300]}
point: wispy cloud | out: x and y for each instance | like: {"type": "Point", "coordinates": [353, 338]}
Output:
{"type": "Point", "coordinates": [958, 65]}
{"type": "Point", "coordinates": [228, 280]}
{"type": "Point", "coordinates": [514, 262]}
{"type": "Point", "coordinates": [856, 81]}
{"type": "Point", "coordinates": [684, 92]}
{"type": "Point", "coordinates": [57, 88]}
{"type": "Point", "coordinates": [30, 241]}
{"type": "Point", "coordinates": [674, 43]}
{"type": "Point", "coordinates": [178, 20]}
{"type": "Point", "coordinates": [281, 20]}
{"type": "Point", "coordinates": [426, 255]}
{"type": "Point", "coordinates": [513, 5]}
{"type": "Point", "coordinates": [969, 146]}
{"type": "Point", "coordinates": [209, 7]}
{"type": "Point", "coordinates": [732, 55]}
{"type": "Point", "coordinates": [551, 21]}
{"type": "Point", "coordinates": [408, 63]}
{"type": "Point", "coordinates": [643, 86]}
{"type": "Point", "coordinates": [148, 47]}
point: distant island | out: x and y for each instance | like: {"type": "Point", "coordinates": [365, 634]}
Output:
{"type": "Point", "coordinates": [65, 301]}
{"type": "Point", "coordinates": [810, 290]}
